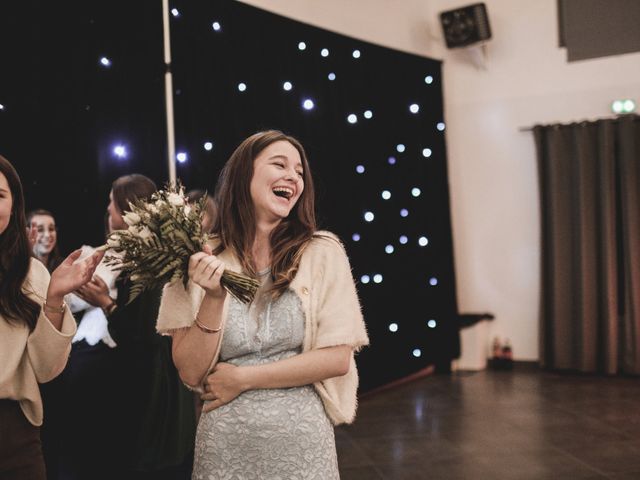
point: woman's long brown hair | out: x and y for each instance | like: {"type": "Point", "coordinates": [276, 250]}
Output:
{"type": "Point", "coordinates": [15, 257]}
{"type": "Point", "coordinates": [235, 223]}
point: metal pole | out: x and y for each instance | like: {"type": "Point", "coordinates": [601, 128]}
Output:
{"type": "Point", "coordinates": [168, 92]}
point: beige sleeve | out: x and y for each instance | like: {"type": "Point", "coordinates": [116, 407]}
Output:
{"type": "Point", "coordinates": [48, 348]}
{"type": "Point", "coordinates": [178, 307]}
{"type": "Point", "coordinates": [339, 322]}
{"type": "Point", "coordinates": [339, 315]}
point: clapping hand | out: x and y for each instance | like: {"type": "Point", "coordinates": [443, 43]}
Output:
{"type": "Point", "coordinates": [69, 276]}
{"type": "Point", "coordinates": [95, 292]}
{"type": "Point", "coordinates": [32, 235]}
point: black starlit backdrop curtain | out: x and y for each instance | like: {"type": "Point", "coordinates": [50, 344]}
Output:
{"type": "Point", "coordinates": [81, 79]}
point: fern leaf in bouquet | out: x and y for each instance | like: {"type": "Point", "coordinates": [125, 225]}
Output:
{"type": "Point", "coordinates": [162, 234]}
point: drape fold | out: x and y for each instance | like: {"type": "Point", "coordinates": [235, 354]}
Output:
{"type": "Point", "coordinates": [589, 176]}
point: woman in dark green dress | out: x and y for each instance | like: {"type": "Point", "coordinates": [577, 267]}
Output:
{"type": "Point", "coordinates": [156, 418]}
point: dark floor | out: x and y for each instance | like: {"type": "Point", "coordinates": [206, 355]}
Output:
{"type": "Point", "coordinates": [496, 425]}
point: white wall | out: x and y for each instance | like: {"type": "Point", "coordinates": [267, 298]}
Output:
{"type": "Point", "coordinates": [492, 168]}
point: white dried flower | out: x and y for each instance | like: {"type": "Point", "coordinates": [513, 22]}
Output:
{"type": "Point", "coordinates": [175, 199]}
{"type": "Point", "coordinates": [144, 232]}
{"type": "Point", "coordinates": [187, 209]}
{"type": "Point", "coordinates": [131, 218]}
{"type": "Point", "coordinates": [113, 241]}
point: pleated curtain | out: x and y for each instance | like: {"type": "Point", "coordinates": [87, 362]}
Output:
{"type": "Point", "coordinates": [589, 176]}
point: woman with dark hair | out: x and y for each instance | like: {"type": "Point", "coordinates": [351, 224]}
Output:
{"type": "Point", "coordinates": [210, 208]}
{"type": "Point", "coordinates": [279, 372]}
{"type": "Point", "coordinates": [154, 431]}
{"type": "Point", "coordinates": [45, 247]}
{"type": "Point", "coordinates": [78, 437]}
{"type": "Point", "coordinates": [36, 328]}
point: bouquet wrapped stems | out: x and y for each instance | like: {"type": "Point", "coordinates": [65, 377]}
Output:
{"type": "Point", "coordinates": [162, 235]}
{"type": "Point", "coordinates": [240, 286]}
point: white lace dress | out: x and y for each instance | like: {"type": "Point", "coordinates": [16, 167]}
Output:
{"type": "Point", "coordinates": [266, 434]}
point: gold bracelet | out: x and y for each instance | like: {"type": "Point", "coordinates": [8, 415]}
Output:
{"type": "Point", "coordinates": [206, 329]}
{"type": "Point", "coordinates": [51, 309]}
{"type": "Point", "coordinates": [108, 310]}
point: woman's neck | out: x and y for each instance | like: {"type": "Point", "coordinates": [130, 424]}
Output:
{"type": "Point", "coordinates": [261, 250]}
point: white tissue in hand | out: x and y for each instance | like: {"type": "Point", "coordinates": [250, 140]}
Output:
{"type": "Point", "coordinates": [75, 303]}
{"type": "Point", "coordinates": [93, 328]}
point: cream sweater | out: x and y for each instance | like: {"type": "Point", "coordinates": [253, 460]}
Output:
{"type": "Point", "coordinates": [332, 314]}
{"type": "Point", "coordinates": [28, 358]}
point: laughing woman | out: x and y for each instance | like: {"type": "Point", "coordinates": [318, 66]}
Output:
{"type": "Point", "coordinates": [36, 329]}
{"type": "Point", "coordinates": [279, 373]}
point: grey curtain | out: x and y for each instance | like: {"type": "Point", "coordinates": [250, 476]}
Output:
{"type": "Point", "coordinates": [590, 197]}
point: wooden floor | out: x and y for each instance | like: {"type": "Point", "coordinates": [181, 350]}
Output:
{"type": "Point", "coordinates": [496, 425]}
